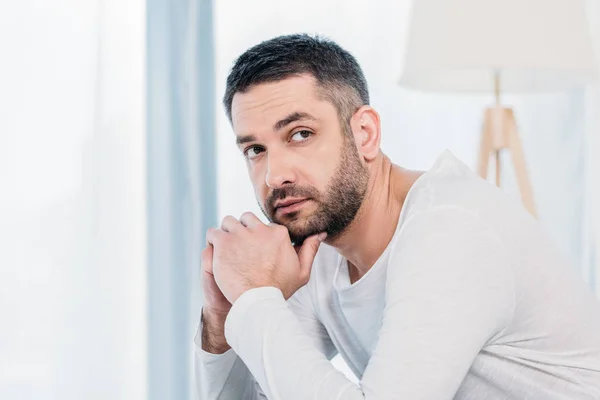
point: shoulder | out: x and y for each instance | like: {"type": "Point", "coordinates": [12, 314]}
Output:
{"type": "Point", "coordinates": [450, 254]}
{"type": "Point", "coordinates": [447, 227]}
{"type": "Point", "coordinates": [449, 246]}
{"type": "Point", "coordinates": [450, 189]}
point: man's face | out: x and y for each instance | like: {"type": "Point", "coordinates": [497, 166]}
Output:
{"type": "Point", "coordinates": [304, 166]}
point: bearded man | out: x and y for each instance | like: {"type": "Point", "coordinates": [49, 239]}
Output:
{"type": "Point", "coordinates": [430, 285]}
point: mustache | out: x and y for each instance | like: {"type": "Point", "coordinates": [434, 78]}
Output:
{"type": "Point", "coordinates": [289, 191]}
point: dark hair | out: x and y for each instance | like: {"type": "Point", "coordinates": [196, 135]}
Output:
{"type": "Point", "coordinates": [336, 71]}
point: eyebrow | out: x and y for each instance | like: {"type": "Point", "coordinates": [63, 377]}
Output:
{"type": "Point", "coordinates": [293, 117]}
{"type": "Point", "coordinates": [282, 123]}
{"type": "Point", "coordinates": [245, 139]}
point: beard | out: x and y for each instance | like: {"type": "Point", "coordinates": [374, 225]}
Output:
{"type": "Point", "coordinates": [336, 208]}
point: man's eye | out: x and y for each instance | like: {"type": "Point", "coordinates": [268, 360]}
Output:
{"type": "Point", "coordinates": [253, 152]}
{"type": "Point", "coordinates": [301, 136]}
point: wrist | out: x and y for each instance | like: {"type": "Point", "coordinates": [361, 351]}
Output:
{"type": "Point", "coordinates": [213, 332]}
{"type": "Point", "coordinates": [215, 313]}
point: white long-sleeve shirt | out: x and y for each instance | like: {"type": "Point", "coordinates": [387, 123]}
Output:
{"type": "Point", "coordinates": [470, 300]}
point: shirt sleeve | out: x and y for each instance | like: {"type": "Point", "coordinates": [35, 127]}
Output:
{"type": "Point", "coordinates": [225, 376]}
{"type": "Point", "coordinates": [222, 376]}
{"type": "Point", "coordinates": [303, 309]}
{"type": "Point", "coordinates": [449, 291]}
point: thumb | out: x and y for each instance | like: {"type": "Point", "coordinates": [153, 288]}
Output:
{"type": "Point", "coordinates": [308, 251]}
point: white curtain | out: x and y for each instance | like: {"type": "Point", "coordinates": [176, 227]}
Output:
{"type": "Point", "coordinates": [590, 245]}
{"type": "Point", "coordinates": [72, 200]}
{"type": "Point", "coordinates": [181, 185]}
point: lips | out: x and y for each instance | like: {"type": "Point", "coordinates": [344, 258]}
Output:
{"type": "Point", "coordinates": [290, 205]}
{"type": "Point", "coordinates": [287, 202]}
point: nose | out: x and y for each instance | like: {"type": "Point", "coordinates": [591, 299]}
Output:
{"type": "Point", "coordinates": [279, 171]}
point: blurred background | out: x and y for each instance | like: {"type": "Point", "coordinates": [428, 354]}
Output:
{"type": "Point", "coordinates": [116, 156]}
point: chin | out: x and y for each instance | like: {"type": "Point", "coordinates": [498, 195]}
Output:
{"type": "Point", "coordinates": [297, 231]}
{"type": "Point", "coordinates": [301, 230]}
{"type": "Point", "coordinates": [292, 220]}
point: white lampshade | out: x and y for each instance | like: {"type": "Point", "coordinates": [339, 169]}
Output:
{"type": "Point", "coordinates": [535, 45]}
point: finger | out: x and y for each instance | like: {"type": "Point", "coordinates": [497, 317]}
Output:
{"type": "Point", "coordinates": [250, 220]}
{"type": "Point", "coordinates": [308, 251]}
{"type": "Point", "coordinates": [280, 229]}
{"type": "Point", "coordinates": [207, 258]}
{"type": "Point", "coordinates": [230, 224]}
{"type": "Point", "coordinates": [213, 235]}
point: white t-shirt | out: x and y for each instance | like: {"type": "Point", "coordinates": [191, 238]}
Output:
{"type": "Point", "coordinates": [470, 300]}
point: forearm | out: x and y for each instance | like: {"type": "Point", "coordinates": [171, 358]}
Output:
{"type": "Point", "coordinates": [220, 373]}
{"type": "Point", "coordinates": [268, 337]}
{"type": "Point", "coordinates": [442, 309]}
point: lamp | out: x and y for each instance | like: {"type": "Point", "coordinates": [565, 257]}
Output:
{"type": "Point", "coordinates": [499, 46]}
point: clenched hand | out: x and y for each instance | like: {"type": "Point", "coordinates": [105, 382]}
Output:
{"type": "Point", "coordinates": [248, 254]}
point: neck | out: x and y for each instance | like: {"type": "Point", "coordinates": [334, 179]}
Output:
{"type": "Point", "coordinates": [365, 239]}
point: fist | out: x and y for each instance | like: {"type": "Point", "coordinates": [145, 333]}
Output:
{"type": "Point", "coordinates": [249, 254]}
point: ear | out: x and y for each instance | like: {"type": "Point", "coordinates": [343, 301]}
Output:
{"type": "Point", "coordinates": [366, 128]}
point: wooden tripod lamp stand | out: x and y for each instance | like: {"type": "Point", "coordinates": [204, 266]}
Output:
{"type": "Point", "coordinates": [499, 134]}
{"type": "Point", "coordinates": [499, 46]}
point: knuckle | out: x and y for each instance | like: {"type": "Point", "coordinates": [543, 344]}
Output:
{"type": "Point", "coordinates": [247, 214]}
{"type": "Point", "coordinates": [304, 277]}
{"type": "Point", "coordinates": [262, 226]}
{"type": "Point", "coordinates": [213, 235]}
{"type": "Point", "coordinates": [260, 230]}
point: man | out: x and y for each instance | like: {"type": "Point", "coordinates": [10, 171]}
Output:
{"type": "Point", "coordinates": [430, 285]}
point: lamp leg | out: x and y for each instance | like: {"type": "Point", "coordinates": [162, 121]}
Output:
{"type": "Point", "coordinates": [499, 131]}
{"type": "Point", "coordinates": [485, 145]}
{"type": "Point", "coordinates": [514, 144]}
{"type": "Point", "coordinates": [498, 167]}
